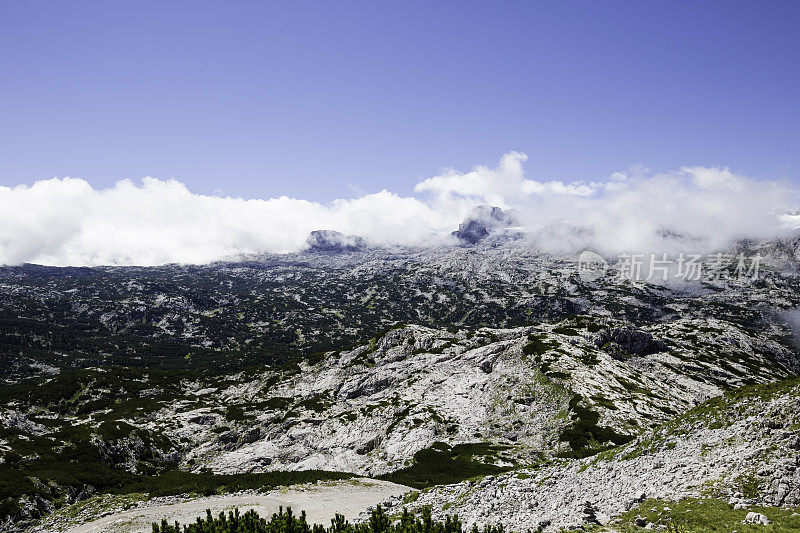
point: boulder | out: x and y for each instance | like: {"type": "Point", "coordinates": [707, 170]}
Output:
{"type": "Point", "coordinates": [630, 341]}
{"type": "Point", "coordinates": [756, 518]}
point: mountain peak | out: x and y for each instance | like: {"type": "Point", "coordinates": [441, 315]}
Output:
{"type": "Point", "coordinates": [481, 221]}
{"type": "Point", "coordinates": [334, 242]}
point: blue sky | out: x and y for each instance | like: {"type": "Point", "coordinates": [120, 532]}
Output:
{"type": "Point", "coordinates": [321, 100]}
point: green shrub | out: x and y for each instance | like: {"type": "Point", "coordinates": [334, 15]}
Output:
{"type": "Point", "coordinates": [537, 345]}
{"type": "Point", "coordinates": [584, 436]}
{"type": "Point", "coordinates": [287, 522]}
{"type": "Point", "coordinates": [50, 481]}
{"type": "Point", "coordinates": [234, 413]}
{"type": "Point", "coordinates": [442, 464]}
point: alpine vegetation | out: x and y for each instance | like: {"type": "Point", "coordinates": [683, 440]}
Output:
{"type": "Point", "coordinates": [492, 380]}
{"type": "Point", "coordinates": [286, 522]}
{"type": "Point", "coordinates": [239, 294]}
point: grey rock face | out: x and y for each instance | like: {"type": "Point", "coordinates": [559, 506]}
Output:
{"type": "Point", "coordinates": [370, 409]}
{"type": "Point", "coordinates": [630, 341]}
{"type": "Point", "coordinates": [16, 420]}
{"type": "Point", "coordinates": [334, 242]}
{"type": "Point", "coordinates": [132, 449]}
{"type": "Point", "coordinates": [715, 448]}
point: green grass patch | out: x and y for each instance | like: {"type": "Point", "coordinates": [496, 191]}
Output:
{"type": "Point", "coordinates": [694, 515]}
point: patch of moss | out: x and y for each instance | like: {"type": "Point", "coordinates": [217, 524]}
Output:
{"type": "Point", "coordinates": [748, 485]}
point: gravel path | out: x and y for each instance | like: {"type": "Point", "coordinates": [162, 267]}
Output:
{"type": "Point", "coordinates": [320, 502]}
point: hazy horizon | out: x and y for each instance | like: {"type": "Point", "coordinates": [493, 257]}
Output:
{"type": "Point", "coordinates": [151, 222]}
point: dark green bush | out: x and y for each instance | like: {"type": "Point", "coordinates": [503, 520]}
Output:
{"type": "Point", "coordinates": [442, 464]}
{"type": "Point", "coordinates": [537, 345]}
{"type": "Point", "coordinates": [584, 436]}
{"type": "Point", "coordinates": [287, 522]}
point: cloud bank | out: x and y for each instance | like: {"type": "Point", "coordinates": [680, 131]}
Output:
{"type": "Point", "coordinates": [68, 222]}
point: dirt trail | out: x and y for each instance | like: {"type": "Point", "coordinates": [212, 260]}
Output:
{"type": "Point", "coordinates": [320, 502]}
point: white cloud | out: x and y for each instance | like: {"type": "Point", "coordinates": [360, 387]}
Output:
{"type": "Point", "coordinates": [496, 186]}
{"type": "Point", "coordinates": [488, 185]}
{"type": "Point", "coordinates": [67, 222]}
{"type": "Point", "coordinates": [715, 178]}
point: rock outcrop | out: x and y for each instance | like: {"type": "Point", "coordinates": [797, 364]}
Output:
{"type": "Point", "coordinates": [482, 221]}
{"type": "Point", "coordinates": [541, 389]}
{"type": "Point", "coordinates": [723, 448]}
{"type": "Point", "coordinates": [334, 242]}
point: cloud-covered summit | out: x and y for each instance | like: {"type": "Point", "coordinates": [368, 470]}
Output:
{"type": "Point", "coordinates": [68, 222]}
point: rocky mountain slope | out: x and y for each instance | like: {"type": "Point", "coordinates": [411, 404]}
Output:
{"type": "Point", "coordinates": [570, 388]}
{"type": "Point", "coordinates": [426, 367]}
{"type": "Point", "coordinates": [742, 447]}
